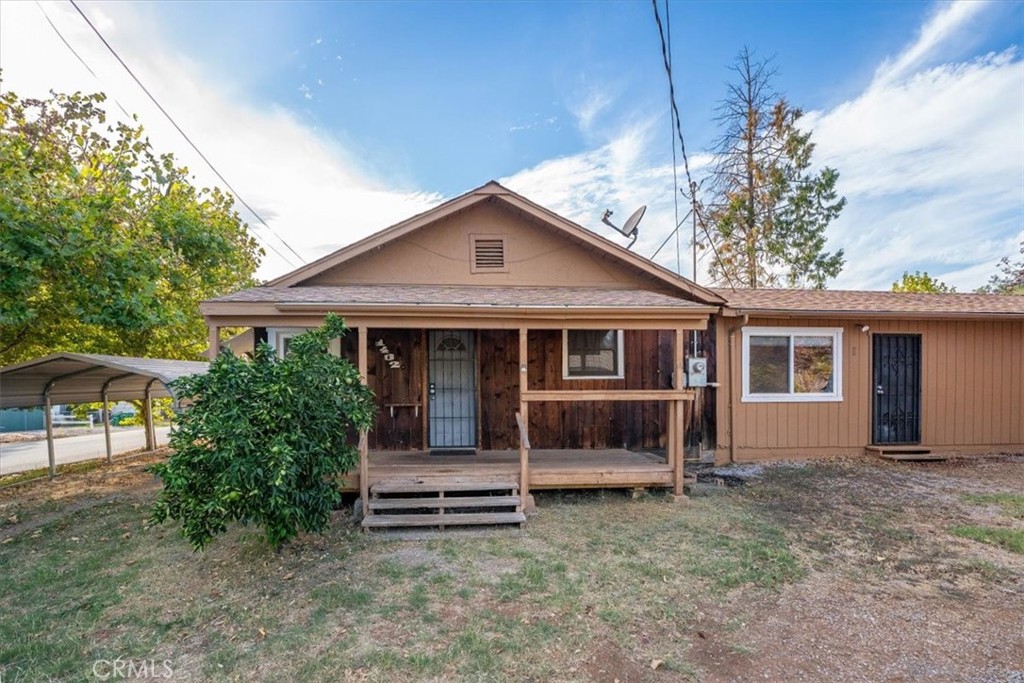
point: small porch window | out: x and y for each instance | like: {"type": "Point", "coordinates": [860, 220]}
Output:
{"type": "Point", "coordinates": [592, 354]}
{"type": "Point", "coordinates": [281, 339]}
{"type": "Point", "coordinates": [792, 364]}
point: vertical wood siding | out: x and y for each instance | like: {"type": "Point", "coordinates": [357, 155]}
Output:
{"type": "Point", "coordinates": [646, 364]}
{"type": "Point", "coordinates": [972, 391]}
{"type": "Point", "coordinates": [404, 431]}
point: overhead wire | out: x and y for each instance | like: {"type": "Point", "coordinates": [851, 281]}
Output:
{"type": "Point", "coordinates": [678, 129]}
{"type": "Point", "coordinates": [195, 147]}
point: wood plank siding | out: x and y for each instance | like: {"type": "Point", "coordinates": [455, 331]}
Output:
{"type": "Point", "coordinates": [647, 364]}
{"type": "Point", "coordinates": [972, 391]}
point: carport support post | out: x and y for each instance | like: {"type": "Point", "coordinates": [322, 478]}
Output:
{"type": "Point", "coordinates": [150, 431]}
{"type": "Point", "coordinates": [106, 425]}
{"type": "Point", "coordinates": [49, 435]}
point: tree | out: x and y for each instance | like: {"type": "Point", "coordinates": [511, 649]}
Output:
{"type": "Point", "coordinates": [264, 441]}
{"type": "Point", "coordinates": [1009, 279]}
{"type": "Point", "coordinates": [921, 282]}
{"type": "Point", "coordinates": [769, 210]}
{"type": "Point", "coordinates": [105, 245]}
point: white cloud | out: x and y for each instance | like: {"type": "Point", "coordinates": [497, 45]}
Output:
{"type": "Point", "coordinates": [308, 188]}
{"type": "Point", "coordinates": [621, 175]}
{"type": "Point", "coordinates": [932, 165]}
{"type": "Point", "coordinates": [930, 154]}
{"type": "Point", "coordinates": [946, 23]}
{"type": "Point", "coordinates": [588, 107]}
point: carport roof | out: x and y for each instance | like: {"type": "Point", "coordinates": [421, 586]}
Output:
{"type": "Point", "coordinates": [80, 378]}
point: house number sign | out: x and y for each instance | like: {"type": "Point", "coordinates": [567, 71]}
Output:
{"type": "Point", "coordinates": [389, 357]}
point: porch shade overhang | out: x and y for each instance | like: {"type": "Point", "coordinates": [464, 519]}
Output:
{"type": "Point", "coordinates": [805, 303]}
{"type": "Point", "coordinates": [274, 305]}
{"type": "Point", "coordinates": [82, 377]}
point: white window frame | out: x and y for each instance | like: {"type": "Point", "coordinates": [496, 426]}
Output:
{"type": "Point", "coordinates": [276, 337]}
{"type": "Point", "coordinates": [619, 356]}
{"type": "Point", "coordinates": [836, 333]}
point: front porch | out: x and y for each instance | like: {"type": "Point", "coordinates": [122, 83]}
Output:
{"type": "Point", "coordinates": [548, 468]}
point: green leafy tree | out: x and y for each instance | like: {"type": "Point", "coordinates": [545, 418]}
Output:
{"type": "Point", "coordinates": [769, 210]}
{"type": "Point", "coordinates": [264, 441]}
{"type": "Point", "coordinates": [1009, 279]}
{"type": "Point", "coordinates": [921, 282]}
{"type": "Point", "coordinates": [106, 246]}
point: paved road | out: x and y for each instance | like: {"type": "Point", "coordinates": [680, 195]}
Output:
{"type": "Point", "coordinates": [30, 455]}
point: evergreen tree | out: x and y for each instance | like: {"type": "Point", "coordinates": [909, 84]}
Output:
{"type": "Point", "coordinates": [769, 209]}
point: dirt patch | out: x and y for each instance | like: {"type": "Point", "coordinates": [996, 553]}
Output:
{"type": "Point", "coordinates": [607, 662]}
{"type": "Point", "coordinates": [841, 570]}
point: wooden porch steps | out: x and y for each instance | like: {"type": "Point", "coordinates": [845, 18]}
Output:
{"type": "Point", "coordinates": [443, 502]}
{"type": "Point", "coordinates": [909, 453]}
{"type": "Point", "coordinates": [464, 519]}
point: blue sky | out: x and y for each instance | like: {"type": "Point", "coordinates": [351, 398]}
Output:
{"type": "Point", "coordinates": [336, 119]}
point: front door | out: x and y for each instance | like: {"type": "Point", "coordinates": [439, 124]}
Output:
{"type": "Point", "coordinates": [897, 384]}
{"type": "Point", "coordinates": [452, 390]}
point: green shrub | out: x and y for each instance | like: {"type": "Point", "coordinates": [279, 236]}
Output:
{"type": "Point", "coordinates": [264, 440]}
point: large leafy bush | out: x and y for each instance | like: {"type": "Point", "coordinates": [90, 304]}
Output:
{"type": "Point", "coordinates": [264, 441]}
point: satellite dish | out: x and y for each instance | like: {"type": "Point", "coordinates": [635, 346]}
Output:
{"type": "Point", "coordinates": [630, 227]}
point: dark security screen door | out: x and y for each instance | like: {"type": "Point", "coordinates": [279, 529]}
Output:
{"type": "Point", "coordinates": [897, 386]}
{"type": "Point", "coordinates": [452, 389]}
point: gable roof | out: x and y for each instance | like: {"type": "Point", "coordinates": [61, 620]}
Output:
{"type": "Point", "coordinates": [453, 296]}
{"type": "Point", "coordinates": [496, 191]}
{"type": "Point", "coordinates": [849, 302]}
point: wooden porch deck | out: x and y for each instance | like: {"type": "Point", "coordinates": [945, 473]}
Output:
{"type": "Point", "coordinates": [549, 469]}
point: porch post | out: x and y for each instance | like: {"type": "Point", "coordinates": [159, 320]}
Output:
{"type": "Point", "coordinates": [679, 420]}
{"type": "Point", "coordinates": [524, 412]}
{"type": "Point", "coordinates": [364, 449]}
{"type": "Point", "coordinates": [214, 341]}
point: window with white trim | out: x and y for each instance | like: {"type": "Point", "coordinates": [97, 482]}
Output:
{"type": "Point", "coordinates": [783, 364]}
{"type": "Point", "coordinates": [592, 354]}
{"type": "Point", "coordinates": [281, 338]}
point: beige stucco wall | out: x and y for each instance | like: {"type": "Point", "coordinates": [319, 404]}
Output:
{"type": "Point", "coordinates": [440, 254]}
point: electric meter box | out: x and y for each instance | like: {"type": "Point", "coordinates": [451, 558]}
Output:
{"type": "Point", "coordinates": [696, 371]}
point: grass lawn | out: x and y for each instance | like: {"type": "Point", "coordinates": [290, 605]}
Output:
{"type": "Point", "coordinates": [598, 587]}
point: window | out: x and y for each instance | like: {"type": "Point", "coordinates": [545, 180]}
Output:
{"type": "Point", "coordinates": [281, 338]}
{"type": "Point", "coordinates": [592, 354]}
{"type": "Point", "coordinates": [792, 364]}
{"type": "Point", "coordinates": [487, 254]}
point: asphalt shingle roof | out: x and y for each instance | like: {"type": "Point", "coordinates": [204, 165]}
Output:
{"type": "Point", "coordinates": [835, 300]}
{"type": "Point", "coordinates": [433, 295]}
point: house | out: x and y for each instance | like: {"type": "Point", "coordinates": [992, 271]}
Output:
{"type": "Point", "coordinates": [503, 340]}
{"type": "Point", "coordinates": [825, 372]}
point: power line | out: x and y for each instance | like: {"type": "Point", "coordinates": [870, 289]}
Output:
{"type": "Point", "coordinates": [75, 53]}
{"type": "Point", "coordinates": [192, 144]}
{"type": "Point", "coordinates": [667, 59]}
{"type": "Point", "coordinates": [666, 56]}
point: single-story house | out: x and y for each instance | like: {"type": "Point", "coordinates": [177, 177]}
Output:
{"type": "Point", "coordinates": [504, 340]}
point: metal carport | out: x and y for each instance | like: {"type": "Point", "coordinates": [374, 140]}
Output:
{"type": "Point", "coordinates": [87, 378]}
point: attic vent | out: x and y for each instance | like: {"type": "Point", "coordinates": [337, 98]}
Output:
{"type": "Point", "coordinates": [488, 254]}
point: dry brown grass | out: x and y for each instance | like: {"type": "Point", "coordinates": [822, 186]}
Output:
{"type": "Point", "coordinates": [851, 566]}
